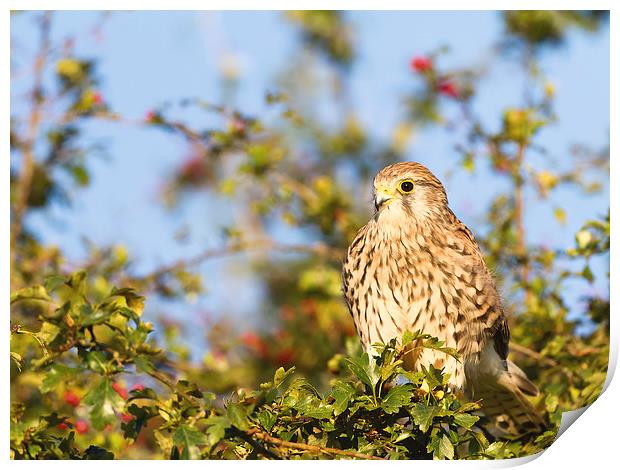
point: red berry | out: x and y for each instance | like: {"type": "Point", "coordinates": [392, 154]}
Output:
{"type": "Point", "coordinates": [81, 427]}
{"type": "Point", "coordinates": [281, 335]}
{"type": "Point", "coordinates": [254, 342]}
{"type": "Point", "coordinates": [421, 64]}
{"type": "Point", "coordinates": [308, 307]}
{"type": "Point", "coordinates": [194, 170]}
{"type": "Point", "coordinates": [126, 417]}
{"type": "Point", "coordinates": [237, 125]}
{"type": "Point", "coordinates": [285, 356]}
{"type": "Point", "coordinates": [62, 426]}
{"type": "Point", "coordinates": [138, 387]}
{"type": "Point", "coordinates": [97, 98]}
{"type": "Point", "coordinates": [287, 312]}
{"type": "Point", "coordinates": [71, 398]}
{"type": "Point", "coordinates": [122, 391]}
{"type": "Point", "coordinates": [448, 88]}
{"type": "Point", "coordinates": [150, 116]}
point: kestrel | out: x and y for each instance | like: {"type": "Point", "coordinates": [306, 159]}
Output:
{"type": "Point", "coordinates": [415, 266]}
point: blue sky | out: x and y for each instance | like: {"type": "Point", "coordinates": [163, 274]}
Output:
{"type": "Point", "coordinates": [147, 57]}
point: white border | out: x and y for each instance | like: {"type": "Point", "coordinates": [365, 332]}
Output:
{"type": "Point", "coordinates": [592, 443]}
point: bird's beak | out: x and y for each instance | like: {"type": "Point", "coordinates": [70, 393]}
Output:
{"type": "Point", "coordinates": [383, 196]}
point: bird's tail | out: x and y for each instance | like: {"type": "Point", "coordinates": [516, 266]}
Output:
{"type": "Point", "coordinates": [505, 404]}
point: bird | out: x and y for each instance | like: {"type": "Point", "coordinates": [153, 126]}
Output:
{"type": "Point", "coordinates": [416, 267]}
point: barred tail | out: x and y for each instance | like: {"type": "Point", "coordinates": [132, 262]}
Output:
{"type": "Point", "coordinates": [508, 409]}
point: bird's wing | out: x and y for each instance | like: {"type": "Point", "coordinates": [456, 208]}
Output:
{"type": "Point", "coordinates": [503, 390]}
{"type": "Point", "coordinates": [509, 411]}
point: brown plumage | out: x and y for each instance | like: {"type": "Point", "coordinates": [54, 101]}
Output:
{"type": "Point", "coordinates": [415, 266]}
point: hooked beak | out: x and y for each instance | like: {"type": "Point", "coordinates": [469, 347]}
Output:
{"type": "Point", "coordinates": [383, 196]}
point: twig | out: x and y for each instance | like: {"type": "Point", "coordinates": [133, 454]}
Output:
{"type": "Point", "coordinates": [521, 248]}
{"type": "Point", "coordinates": [263, 436]}
{"type": "Point", "coordinates": [257, 446]}
{"type": "Point", "coordinates": [237, 247]}
{"type": "Point", "coordinates": [533, 354]}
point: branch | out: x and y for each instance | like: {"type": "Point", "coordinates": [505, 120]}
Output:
{"type": "Point", "coordinates": [24, 182]}
{"type": "Point", "coordinates": [263, 436]}
{"type": "Point", "coordinates": [319, 249]}
{"type": "Point", "coordinates": [533, 354]}
{"type": "Point", "coordinates": [257, 446]}
{"type": "Point", "coordinates": [519, 217]}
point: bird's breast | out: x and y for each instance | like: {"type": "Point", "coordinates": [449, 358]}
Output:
{"type": "Point", "coordinates": [400, 284]}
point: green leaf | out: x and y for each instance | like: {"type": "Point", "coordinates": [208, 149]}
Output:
{"type": "Point", "coordinates": [238, 416]}
{"type": "Point", "coordinates": [97, 361]}
{"type": "Point", "coordinates": [423, 415]}
{"type": "Point", "coordinates": [465, 420]}
{"type": "Point", "coordinates": [90, 317]}
{"type": "Point", "coordinates": [309, 405]}
{"type": "Point", "coordinates": [266, 419]}
{"type": "Point", "coordinates": [399, 395]}
{"type": "Point", "coordinates": [189, 438]}
{"type": "Point", "coordinates": [80, 174]}
{"type": "Point", "coordinates": [97, 453]}
{"type": "Point", "coordinates": [281, 375]}
{"type": "Point", "coordinates": [438, 345]}
{"type": "Point", "coordinates": [76, 281]}
{"type": "Point", "coordinates": [17, 359]}
{"type": "Point", "coordinates": [52, 283]}
{"type": "Point", "coordinates": [217, 426]}
{"type": "Point", "coordinates": [441, 447]}
{"type": "Point", "coordinates": [409, 336]}
{"type": "Point", "coordinates": [433, 376]}
{"type": "Point", "coordinates": [104, 402]}
{"type": "Point", "coordinates": [56, 374]}
{"type": "Point", "coordinates": [141, 415]}
{"type": "Point", "coordinates": [143, 364]}
{"type": "Point", "coordinates": [342, 393]}
{"type": "Point", "coordinates": [36, 292]}
{"type": "Point", "coordinates": [360, 367]}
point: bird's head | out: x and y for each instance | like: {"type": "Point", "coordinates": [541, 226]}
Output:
{"type": "Point", "coordinates": [409, 187]}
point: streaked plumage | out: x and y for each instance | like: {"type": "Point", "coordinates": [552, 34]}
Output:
{"type": "Point", "coordinates": [415, 266]}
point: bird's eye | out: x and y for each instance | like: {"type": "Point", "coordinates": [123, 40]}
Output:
{"type": "Point", "coordinates": [406, 187]}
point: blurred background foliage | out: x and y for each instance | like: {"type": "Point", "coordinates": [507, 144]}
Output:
{"type": "Point", "coordinates": [92, 376]}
